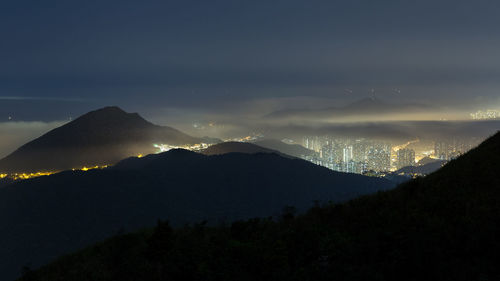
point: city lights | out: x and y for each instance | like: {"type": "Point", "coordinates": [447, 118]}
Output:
{"type": "Point", "coordinates": [25, 176]}
{"type": "Point", "coordinates": [166, 147]}
{"type": "Point", "coordinates": [483, 115]}
{"type": "Point", "coordinates": [376, 158]}
{"type": "Point", "coordinates": [85, 169]}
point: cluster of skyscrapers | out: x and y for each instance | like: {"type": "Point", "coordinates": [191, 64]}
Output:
{"type": "Point", "coordinates": [450, 149]}
{"type": "Point", "coordinates": [364, 156]}
{"type": "Point", "coordinates": [405, 157]}
{"type": "Point", "coordinates": [348, 155]}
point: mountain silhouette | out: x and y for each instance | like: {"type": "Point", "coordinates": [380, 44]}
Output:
{"type": "Point", "coordinates": [239, 147]}
{"type": "Point", "coordinates": [45, 217]}
{"type": "Point", "coordinates": [295, 150]}
{"type": "Point", "coordinates": [100, 137]}
{"type": "Point", "coordinates": [441, 227]}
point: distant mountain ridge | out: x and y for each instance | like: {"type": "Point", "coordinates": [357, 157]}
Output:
{"type": "Point", "coordinates": [100, 137]}
{"type": "Point", "coordinates": [260, 146]}
{"type": "Point", "coordinates": [295, 150]}
{"type": "Point", "coordinates": [45, 217]}
{"type": "Point", "coordinates": [239, 147]}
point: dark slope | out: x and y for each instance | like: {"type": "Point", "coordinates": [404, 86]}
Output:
{"type": "Point", "coordinates": [239, 147]}
{"type": "Point", "coordinates": [294, 150]}
{"type": "Point", "coordinates": [100, 137]}
{"type": "Point", "coordinates": [423, 169]}
{"type": "Point", "coordinates": [441, 227]}
{"type": "Point", "coordinates": [45, 217]}
{"type": "Point", "coordinates": [5, 182]}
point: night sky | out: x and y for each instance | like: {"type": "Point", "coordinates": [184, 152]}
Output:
{"type": "Point", "coordinates": [60, 59]}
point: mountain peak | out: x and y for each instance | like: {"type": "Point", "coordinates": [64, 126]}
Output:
{"type": "Point", "coordinates": [111, 113]}
{"type": "Point", "coordinates": [107, 110]}
{"type": "Point", "coordinates": [111, 108]}
{"type": "Point", "coordinates": [100, 137]}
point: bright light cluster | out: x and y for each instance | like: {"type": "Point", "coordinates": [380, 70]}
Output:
{"type": "Point", "coordinates": [25, 176]}
{"type": "Point", "coordinates": [91, 168]}
{"type": "Point", "coordinates": [166, 147]}
{"type": "Point", "coordinates": [488, 114]}
{"type": "Point", "coordinates": [247, 138]}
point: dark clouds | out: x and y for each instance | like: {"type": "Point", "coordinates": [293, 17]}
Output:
{"type": "Point", "coordinates": [148, 54]}
{"type": "Point", "coordinates": [45, 109]}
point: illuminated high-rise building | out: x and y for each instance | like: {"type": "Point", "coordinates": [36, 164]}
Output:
{"type": "Point", "coordinates": [379, 158]}
{"type": "Point", "coordinates": [347, 154]}
{"type": "Point", "coordinates": [406, 157]}
{"type": "Point", "coordinates": [442, 150]}
{"type": "Point", "coordinates": [359, 151]}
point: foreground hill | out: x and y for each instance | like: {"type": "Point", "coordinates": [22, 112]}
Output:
{"type": "Point", "coordinates": [100, 137]}
{"type": "Point", "coordinates": [45, 217]}
{"type": "Point", "coordinates": [441, 227]}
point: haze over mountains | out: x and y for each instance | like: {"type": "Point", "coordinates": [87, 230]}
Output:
{"type": "Point", "coordinates": [365, 109]}
{"type": "Point", "coordinates": [101, 137]}
{"type": "Point", "coordinates": [397, 131]}
{"type": "Point", "coordinates": [371, 118]}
